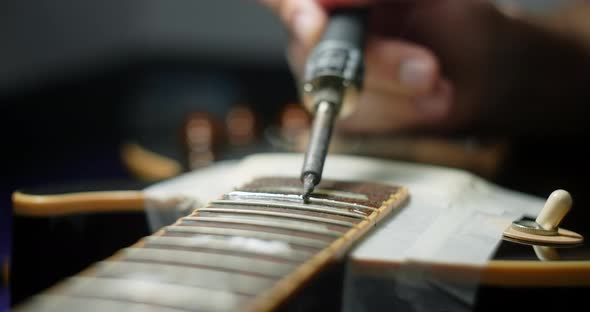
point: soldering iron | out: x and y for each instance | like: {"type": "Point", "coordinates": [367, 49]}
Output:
{"type": "Point", "coordinates": [332, 80]}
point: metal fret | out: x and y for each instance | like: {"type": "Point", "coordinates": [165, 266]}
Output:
{"type": "Point", "coordinates": [258, 266]}
{"type": "Point", "coordinates": [294, 198]}
{"type": "Point", "coordinates": [317, 191]}
{"type": "Point", "coordinates": [154, 293]}
{"type": "Point", "coordinates": [60, 303]}
{"type": "Point", "coordinates": [296, 240]}
{"type": "Point", "coordinates": [286, 205]}
{"type": "Point", "coordinates": [274, 214]}
{"type": "Point", "coordinates": [187, 276]}
{"type": "Point", "coordinates": [285, 225]}
{"type": "Point", "coordinates": [277, 249]}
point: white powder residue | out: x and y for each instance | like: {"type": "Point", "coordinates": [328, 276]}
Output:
{"type": "Point", "coordinates": [245, 243]}
{"type": "Point", "coordinates": [259, 245]}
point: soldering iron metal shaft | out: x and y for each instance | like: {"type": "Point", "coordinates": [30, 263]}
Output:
{"type": "Point", "coordinates": [319, 141]}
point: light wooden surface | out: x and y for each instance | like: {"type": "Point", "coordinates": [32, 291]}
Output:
{"type": "Point", "coordinates": [76, 203]}
{"type": "Point", "coordinates": [502, 273]}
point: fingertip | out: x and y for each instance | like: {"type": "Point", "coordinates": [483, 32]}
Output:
{"type": "Point", "coordinates": [413, 69]}
{"type": "Point", "coordinates": [418, 72]}
{"type": "Point", "coordinates": [305, 20]}
{"type": "Point", "coordinates": [307, 25]}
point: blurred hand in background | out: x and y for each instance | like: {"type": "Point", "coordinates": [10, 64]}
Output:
{"type": "Point", "coordinates": [449, 65]}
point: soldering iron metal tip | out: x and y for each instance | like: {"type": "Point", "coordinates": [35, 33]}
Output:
{"type": "Point", "coordinates": [308, 186]}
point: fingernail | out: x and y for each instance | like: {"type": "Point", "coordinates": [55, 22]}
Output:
{"type": "Point", "coordinates": [415, 73]}
{"type": "Point", "coordinates": [304, 24]}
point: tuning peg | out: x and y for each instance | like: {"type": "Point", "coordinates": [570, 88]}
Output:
{"type": "Point", "coordinates": [545, 228]}
{"type": "Point", "coordinates": [546, 253]}
{"type": "Point", "coordinates": [556, 207]}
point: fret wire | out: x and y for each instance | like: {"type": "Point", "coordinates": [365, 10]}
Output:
{"type": "Point", "coordinates": [258, 266]}
{"type": "Point", "coordinates": [149, 292]}
{"type": "Point", "coordinates": [303, 227]}
{"type": "Point", "coordinates": [317, 191]}
{"type": "Point", "coordinates": [187, 276]}
{"type": "Point", "coordinates": [275, 214]}
{"type": "Point", "coordinates": [294, 198]}
{"type": "Point", "coordinates": [261, 247]}
{"type": "Point", "coordinates": [284, 221]}
{"type": "Point", "coordinates": [296, 240]}
{"type": "Point", "coordinates": [238, 225]}
{"type": "Point", "coordinates": [61, 303]}
{"type": "Point", "coordinates": [306, 207]}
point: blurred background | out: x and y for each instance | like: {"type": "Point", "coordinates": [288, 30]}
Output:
{"type": "Point", "coordinates": [90, 90]}
{"type": "Point", "coordinates": [121, 94]}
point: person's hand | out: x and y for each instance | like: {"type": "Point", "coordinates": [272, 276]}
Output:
{"type": "Point", "coordinates": [425, 59]}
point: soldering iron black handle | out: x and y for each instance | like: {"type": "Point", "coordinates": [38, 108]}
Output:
{"type": "Point", "coordinates": [339, 54]}
{"type": "Point", "coordinates": [347, 25]}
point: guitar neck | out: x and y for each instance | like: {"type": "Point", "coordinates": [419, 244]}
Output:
{"type": "Point", "coordinates": [251, 250]}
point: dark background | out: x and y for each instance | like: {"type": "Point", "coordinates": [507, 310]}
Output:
{"type": "Point", "coordinates": [80, 78]}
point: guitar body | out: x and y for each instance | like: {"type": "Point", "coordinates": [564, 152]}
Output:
{"type": "Point", "coordinates": [515, 278]}
{"type": "Point", "coordinates": [516, 271]}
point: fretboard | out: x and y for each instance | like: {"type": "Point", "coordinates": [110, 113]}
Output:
{"type": "Point", "coordinates": [250, 250]}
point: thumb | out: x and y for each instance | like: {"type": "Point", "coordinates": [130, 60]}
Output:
{"type": "Point", "coordinates": [305, 19]}
{"type": "Point", "coordinates": [345, 3]}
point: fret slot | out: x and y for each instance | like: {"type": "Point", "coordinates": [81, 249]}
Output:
{"type": "Point", "coordinates": [255, 246]}
{"type": "Point", "coordinates": [186, 276]}
{"type": "Point", "coordinates": [352, 207]}
{"type": "Point", "coordinates": [271, 214]}
{"type": "Point", "coordinates": [291, 239]}
{"type": "Point", "coordinates": [294, 206]}
{"type": "Point", "coordinates": [287, 225]}
{"type": "Point", "coordinates": [60, 303]}
{"type": "Point", "coordinates": [149, 292]}
{"type": "Point", "coordinates": [230, 263]}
